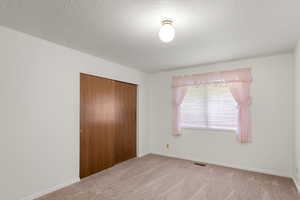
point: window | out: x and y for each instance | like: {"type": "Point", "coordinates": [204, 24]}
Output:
{"type": "Point", "coordinates": [209, 106]}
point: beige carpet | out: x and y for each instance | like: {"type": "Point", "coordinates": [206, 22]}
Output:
{"type": "Point", "coordinates": [161, 178]}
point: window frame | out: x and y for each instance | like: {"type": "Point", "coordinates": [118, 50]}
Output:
{"type": "Point", "coordinates": [186, 127]}
{"type": "Point", "coordinates": [207, 129]}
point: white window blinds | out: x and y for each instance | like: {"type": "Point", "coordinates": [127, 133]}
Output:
{"type": "Point", "coordinates": [209, 106]}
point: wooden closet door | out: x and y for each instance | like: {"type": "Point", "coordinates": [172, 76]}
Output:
{"type": "Point", "coordinates": [126, 108]}
{"type": "Point", "coordinates": [97, 124]}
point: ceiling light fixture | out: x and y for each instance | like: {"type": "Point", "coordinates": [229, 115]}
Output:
{"type": "Point", "coordinates": [167, 31]}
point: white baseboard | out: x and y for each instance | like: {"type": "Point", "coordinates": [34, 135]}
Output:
{"type": "Point", "coordinates": [142, 155]}
{"type": "Point", "coordinates": [264, 171]}
{"type": "Point", "coordinates": [296, 183]}
{"type": "Point", "coordinates": [52, 189]}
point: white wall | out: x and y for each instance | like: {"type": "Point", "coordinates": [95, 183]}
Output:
{"type": "Point", "coordinates": [39, 112]}
{"type": "Point", "coordinates": [272, 120]}
{"type": "Point", "coordinates": [297, 116]}
{"type": "Point", "coordinates": [39, 115]}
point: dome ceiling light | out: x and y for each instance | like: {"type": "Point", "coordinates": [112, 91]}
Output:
{"type": "Point", "coordinates": [167, 31]}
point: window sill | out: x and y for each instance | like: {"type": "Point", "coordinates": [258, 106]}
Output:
{"type": "Point", "coordinates": [208, 129]}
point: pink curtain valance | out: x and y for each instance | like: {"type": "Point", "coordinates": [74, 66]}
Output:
{"type": "Point", "coordinates": [239, 83]}
{"type": "Point", "coordinates": [239, 75]}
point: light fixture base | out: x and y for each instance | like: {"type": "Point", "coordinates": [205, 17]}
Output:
{"type": "Point", "coordinates": [167, 21]}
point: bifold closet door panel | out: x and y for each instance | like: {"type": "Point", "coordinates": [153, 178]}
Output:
{"type": "Point", "coordinates": [126, 109]}
{"type": "Point", "coordinates": [97, 124]}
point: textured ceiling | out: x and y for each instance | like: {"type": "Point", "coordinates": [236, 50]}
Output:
{"type": "Point", "coordinates": [125, 31]}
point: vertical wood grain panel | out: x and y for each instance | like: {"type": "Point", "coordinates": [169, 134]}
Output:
{"type": "Point", "coordinates": [126, 100]}
{"type": "Point", "coordinates": [97, 124]}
